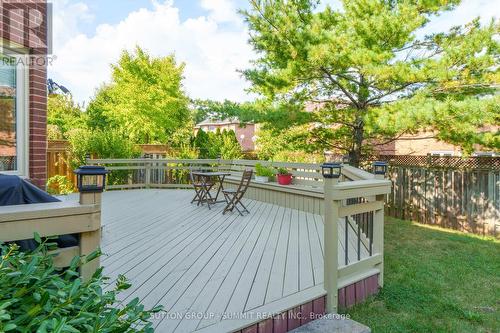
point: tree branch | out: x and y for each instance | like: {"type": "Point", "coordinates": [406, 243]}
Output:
{"type": "Point", "coordinates": [344, 90]}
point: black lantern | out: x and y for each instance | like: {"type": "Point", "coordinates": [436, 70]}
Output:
{"type": "Point", "coordinates": [379, 168]}
{"type": "Point", "coordinates": [91, 178]}
{"type": "Point", "coordinates": [345, 159]}
{"type": "Point", "coordinates": [331, 170]}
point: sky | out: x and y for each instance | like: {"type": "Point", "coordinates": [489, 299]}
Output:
{"type": "Point", "coordinates": [209, 36]}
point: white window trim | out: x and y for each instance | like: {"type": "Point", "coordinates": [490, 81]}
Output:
{"type": "Point", "coordinates": [22, 113]}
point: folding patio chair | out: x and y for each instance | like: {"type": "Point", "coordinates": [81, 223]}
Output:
{"type": "Point", "coordinates": [201, 187]}
{"type": "Point", "coordinates": [234, 196]}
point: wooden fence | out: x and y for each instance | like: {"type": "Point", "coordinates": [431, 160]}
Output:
{"type": "Point", "coordinates": [57, 160]}
{"type": "Point", "coordinates": [467, 200]}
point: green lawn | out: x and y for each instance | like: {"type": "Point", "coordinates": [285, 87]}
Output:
{"type": "Point", "coordinates": [436, 280]}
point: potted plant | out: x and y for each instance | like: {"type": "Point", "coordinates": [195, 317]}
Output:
{"type": "Point", "coordinates": [284, 176]}
{"type": "Point", "coordinates": [263, 173]}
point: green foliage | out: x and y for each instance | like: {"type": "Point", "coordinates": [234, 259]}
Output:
{"type": "Point", "coordinates": [219, 144]}
{"type": "Point", "coordinates": [202, 142]}
{"type": "Point", "coordinates": [36, 297]}
{"type": "Point", "coordinates": [372, 78]}
{"type": "Point", "coordinates": [54, 133]}
{"type": "Point", "coordinates": [264, 171]}
{"type": "Point", "coordinates": [145, 100]}
{"type": "Point", "coordinates": [230, 148]}
{"type": "Point", "coordinates": [63, 114]}
{"type": "Point", "coordinates": [60, 184]}
{"type": "Point", "coordinates": [245, 112]}
{"type": "Point", "coordinates": [283, 171]}
{"type": "Point", "coordinates": [99, 144]}
{"type": "Point", "coordinates": [293, 145]}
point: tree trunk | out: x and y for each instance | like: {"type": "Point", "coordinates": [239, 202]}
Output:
{"type": "Point", "coordinates": [358, 137]}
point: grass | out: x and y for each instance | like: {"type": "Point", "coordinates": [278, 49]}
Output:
{"type": "Point", "coordinates": [436, 280]}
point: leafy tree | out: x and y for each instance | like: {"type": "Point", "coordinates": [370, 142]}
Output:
{"type": "Point", "coordinates": [99, 144]}
{"type": "Point", "coordinates": [219, 144]}
{"type": "Point", "coordinates": [202, 142]}
{"type": "Point", "coordinates": [372, 74]}
{"type": "Point", "coordinates": [231, 148]}
{"type": "Point", "coordinates": [144, 101]}
{"type": "Point", "coordinates": [291, 145]}
{"type": "Point", "coordinates": [63, 114]}
{"type": "Point", "coordinates": [245, 112]}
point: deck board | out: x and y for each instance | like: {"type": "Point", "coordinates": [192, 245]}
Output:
{"type": "Point", "coordinates": [194, 260]}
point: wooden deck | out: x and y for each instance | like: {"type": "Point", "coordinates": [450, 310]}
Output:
{"type": "Point", "coordinates": [202, 265]}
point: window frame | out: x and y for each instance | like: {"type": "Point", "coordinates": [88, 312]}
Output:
{"type": "Point", "coordinates": [22, 111]}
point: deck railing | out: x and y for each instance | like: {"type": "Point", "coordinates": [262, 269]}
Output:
{"type": "Point", "coordinates": [356, 199]}
{"type": "Point", "coordinates": [20, 222]}
{"type": "Point", "coordinates": [145, 172]}
{"type": "Point", "coordinates": [359, 202]}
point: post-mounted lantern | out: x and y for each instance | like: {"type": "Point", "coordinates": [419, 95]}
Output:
{"type": "Point", "coordinates": [331, 170]}
{"type": "Point", "coordinates": [91, 178]}
{"type": "Point", "coordinates": [379, 168]}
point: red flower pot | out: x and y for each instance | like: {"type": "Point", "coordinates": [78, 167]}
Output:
{"type": "Point", "coordinates": [284, 179]}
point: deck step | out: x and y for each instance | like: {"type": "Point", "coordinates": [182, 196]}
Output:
{"type": "Point", "coordinates": [332, 325]}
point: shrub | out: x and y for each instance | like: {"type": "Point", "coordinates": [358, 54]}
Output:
{"type": "Point", "coordinates": [283, 171]}
{"type": "Point", "coordinates": [101, 144]}
{"type": "Point", "coordinates": [231, 148]}
{"type": "Point", "coordinates": [263, 171]}
{"type": "Point", "coordinates": [60, 185]}
{"type": "Point", "coordinates": [36, 297]}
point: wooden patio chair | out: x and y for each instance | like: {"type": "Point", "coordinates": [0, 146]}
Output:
{"type": "Point", "coordinates": [199, 186]}
{"type": "Point", "coordinates": [233, 196]}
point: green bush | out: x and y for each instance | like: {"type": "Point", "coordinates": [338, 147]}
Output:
{"type": "Point", "coordinates": [101, 144]}
{"type": "Point", "coordinates": [263, 171]}
{"type": "Point", "coordinates": [36, 297]}
{"type": "Point", "coordinates": [219, 144]}
{"type": "Point", "coordinates": [60, 185]}
{"type": "Point", "coordinates": [283, 171]}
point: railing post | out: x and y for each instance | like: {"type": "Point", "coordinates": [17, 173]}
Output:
{"type": "Point", "coordinates": [380, 170]}
{"type": "Point", "coordinates": [147, 165]}
{"type": "Point", "coordinates": [91, 240]}
{"type": "Point", "coordinates": [331, 174]}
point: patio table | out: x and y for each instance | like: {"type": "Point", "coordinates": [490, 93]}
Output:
{"type": "Point", "coordinates": [207, 185]}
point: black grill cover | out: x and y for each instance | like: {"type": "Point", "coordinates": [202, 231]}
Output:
{"type": "Point", "coordinates": [17, 191]}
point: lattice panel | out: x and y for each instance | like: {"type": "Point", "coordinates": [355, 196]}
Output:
{"type": "Point", "coordinates": [440, 162]}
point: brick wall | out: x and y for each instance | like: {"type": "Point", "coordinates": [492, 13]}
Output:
{"type": "Point", "coordinates": [12, 29]}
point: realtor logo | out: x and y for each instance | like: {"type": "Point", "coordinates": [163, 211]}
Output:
{"type": "Point", "coordinates": [26, 25]}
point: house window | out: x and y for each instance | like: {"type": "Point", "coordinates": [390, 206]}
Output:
{"type": "Point", "coordinates": [13, 117]}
